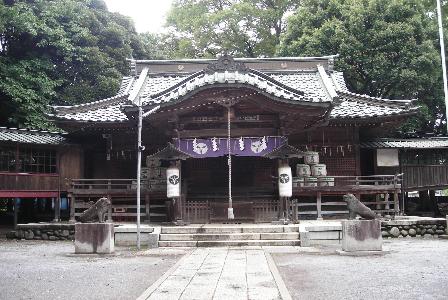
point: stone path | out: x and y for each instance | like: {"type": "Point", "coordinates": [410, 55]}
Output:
{"type": "Point", "coordinates": [210, 273]}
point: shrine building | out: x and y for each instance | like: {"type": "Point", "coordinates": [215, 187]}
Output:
{"type": "Point", "coordinates": [235, 140]}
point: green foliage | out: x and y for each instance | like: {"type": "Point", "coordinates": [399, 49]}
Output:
{"type": "Point", "coordinates": [205, 28]}
{"type": "Point", "coordinates": [387, 48]}
{"type": "Point", "coordinates": [76, 50]}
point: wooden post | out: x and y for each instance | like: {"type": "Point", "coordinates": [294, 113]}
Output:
{"type": "Point", "coordinates": [386, 198]}
{"type": "Point", "coordinates": [16, 211]}
{"type": "Point", "coordinates": [319, 206]}
{"type": "Point", "coordinates": [57, 209]}
{"type": "Point", "coordinates": [288, 208]}
{"type": "Point", "coordinates": [396, 203]}
{"type": "Point", "coordinates": [295, 216]}
{"type": "Point", "coordinates": [109, 211]}
{"type": "Point", "coordinates": [147, 206]}
{"type": "Point", "coordinates": [72, 208]}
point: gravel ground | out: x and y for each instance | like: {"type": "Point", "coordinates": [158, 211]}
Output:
{"type": "Point", "coordinates": [414, 269]}
{"type": "Point", "coordinates": [51, 270]}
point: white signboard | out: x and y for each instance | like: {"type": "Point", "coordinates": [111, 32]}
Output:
{"type": "Point", "coordinates": [387, 158]}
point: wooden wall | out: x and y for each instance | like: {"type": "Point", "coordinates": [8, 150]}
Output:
{"type": "Point", "coordinates": [71, 164]}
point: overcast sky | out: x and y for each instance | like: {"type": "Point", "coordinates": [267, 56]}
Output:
{"type": "Point", "coordinates": [148, 15]}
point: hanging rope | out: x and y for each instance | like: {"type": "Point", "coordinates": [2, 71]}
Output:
{"type": "Point", "coordinates": [229, 162]}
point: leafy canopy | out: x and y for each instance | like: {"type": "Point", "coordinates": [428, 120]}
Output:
{"type": "Point", "coordinates": [205, 28]}
{"type": "Point", "coordinates": [62, 51]}
{"type": "Point", "coordinates": [387, 48]}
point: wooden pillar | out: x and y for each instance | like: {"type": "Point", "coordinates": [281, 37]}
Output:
{"type": "Point", "coordinates": [319, 206]}
{"type": "Point", "coordinates": [16, 211]}
{"type": "Point", "coordinates": [396, 204]}
{"type": "Point", "coordinates": [147, 210]}
{"type": "Point", "coordinates": [295, 216]}
{"type": "Point", "coordinates": [57, 209]}
{"type": "Point", "coordinates": [72, 200]}
{"type": "Point", "coordinates": [287, 208]}
{"type": "Point", "coordinates": [377, 199]}
{"type": "Point", "coordinates": [281, 212]}
{"type": "Point", "coordinates": [109, 211]}
{"type": "Point", "coordinates": [386, 198]}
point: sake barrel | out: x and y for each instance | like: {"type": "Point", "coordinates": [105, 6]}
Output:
{"type": "Point", "coordinates": [303, 170]}
{"type": "Point", "coordinates": [172, 182]}
{"type": "Point", "coordinates": [310, 181]}
{"type": "Point", "coordinates": [284, 181]}
{"type": "Point", "coordinates": [319, 170]}
{"type": "Point", "coordinates": [325, 181]}
{"type": "Point", "coordinates": [311, 158]}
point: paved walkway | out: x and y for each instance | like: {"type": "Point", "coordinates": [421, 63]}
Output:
{"type": "Point", "coordinates": [211, 273]}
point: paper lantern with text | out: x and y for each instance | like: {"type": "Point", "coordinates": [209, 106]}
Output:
{"type": "Point", "coordinates": [172, 182]}
{"type": "Point", "coordinates": [284, 181]}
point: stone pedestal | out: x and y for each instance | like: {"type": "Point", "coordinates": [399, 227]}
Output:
{"type": "Point", "coordinates": [361, 235]}
{"type": "Point", "coordinates": [126, 235]}
{"type": "Point", "coordinates": [94, 238]}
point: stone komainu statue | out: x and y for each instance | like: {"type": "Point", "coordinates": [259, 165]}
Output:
{"type": "Point", "coordinates": [355, 207]}
{"type": "Point", "coordinates": [96, 212]}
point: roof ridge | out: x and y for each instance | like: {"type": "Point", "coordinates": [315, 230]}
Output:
{"type": "Point", "coordinates": [87, 106]}
{"type": "Point", "coordinates": [29, 130]}
{"type": "Point", "coordinates": [249, 71]}
{"type": "Point", "coordinates": [242, 59]}
{"type": "Point", "coordinates": [368, 99]}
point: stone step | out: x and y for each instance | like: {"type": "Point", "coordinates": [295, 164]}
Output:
{"type": "Point", "coordinates": [230, 243]}
{"type": "Point", "coordinates": [228, 229]}
{"type": "Point", "coordinates": [229, 236]}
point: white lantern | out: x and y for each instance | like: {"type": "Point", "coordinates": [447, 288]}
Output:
{"type": "Point", "coordinates": [172, 182]}
{"type": "Point", "coordinates": [284, 181]}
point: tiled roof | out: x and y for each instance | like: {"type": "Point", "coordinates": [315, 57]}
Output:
{"type": "Point", "coordinates": [27, 136]}
{"type": "Point", "coordinates": [407, 143]}
{"type": "Point", "coordinates": [354, 106]}
{"type": "Point", "coordinates": [252, 78]}
{"type": "Point", "coordinates": [316, 86]}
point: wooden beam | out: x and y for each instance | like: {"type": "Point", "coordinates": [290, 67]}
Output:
{"type": "Point", "coordinates": [147, 206]}
{"type": "Point", "coordinates": [72, 207]}
{"type": "Point", "coordinates": [57, 209]}
{"type": "Point", "coordinates": [16, 211]}
{"type": "Point", "coordinates": [319, 206]}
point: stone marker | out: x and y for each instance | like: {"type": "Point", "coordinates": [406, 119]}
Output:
{"type": "Point", "coordinates": [94, 238]}
{"type": "Point", "coordinates": [361, 235]}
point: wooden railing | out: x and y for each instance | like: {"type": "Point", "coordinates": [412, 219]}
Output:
{"type": "Point", "coordinates": [355, 184]}
{"type": "Point", "coordinates": [29, 182]}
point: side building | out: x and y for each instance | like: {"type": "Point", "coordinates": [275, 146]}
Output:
{"type": "Point", "coordinates": [34, 170]}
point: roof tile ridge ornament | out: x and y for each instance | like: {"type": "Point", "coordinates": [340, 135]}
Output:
{"type": "Point", "coordinates": [327, 83]}
{"type": "Point", "coordinates": [224, 63]}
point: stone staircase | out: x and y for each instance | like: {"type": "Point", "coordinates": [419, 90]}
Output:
{"type": "Point", "coordinates": [229, 235]}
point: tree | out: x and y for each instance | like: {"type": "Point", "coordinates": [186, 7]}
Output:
{"type": "Point", "coordinates": [61, 51]}
{"type": "Point", "coordinates": [205, 28]}
{"type": "Point", "coordinates": [387, 48]}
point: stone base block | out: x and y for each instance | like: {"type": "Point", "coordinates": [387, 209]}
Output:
{"type": "Point", "coordinates": [153, 240]}
{"type": "Point", "coordinates": [94, 238]}
{"type": "Point", "coordinates": [361, 235]}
